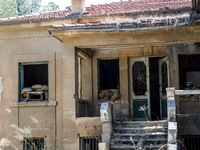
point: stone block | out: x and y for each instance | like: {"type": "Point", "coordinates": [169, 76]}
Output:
{"type": "Point", "coordinates": [170, 92]}
{"type": "Point", "coordinates": [106, 137]}
{"type": "Point", "coordinates": [172, 125]}
{"type": "Point", "coordinates": [170, 103]}
{"type": "Point", "coordinates": [103, 146]}
{"type": "Point", "coordinates": [106, 127]}
{"type": "Point", "coordinates": [171, 114]}
{"type": "Point", "coordinates": [172, 147]}
{"type": "Point", "coordinates": [105, 111]}
{"type": "Point", "coordinates": [172, 135]}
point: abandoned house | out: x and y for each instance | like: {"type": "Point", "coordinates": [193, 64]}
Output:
{"type": "Point", "coordinates": [123, 75]}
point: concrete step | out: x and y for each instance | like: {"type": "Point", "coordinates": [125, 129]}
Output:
{"type": "Point", "coordinates": [135, 147]}
{"type": "Point", "coordinates": [139, 134]}
{"type": "Point", "coordinates": [141, 123]}
{"type": "Point", "coordinates": [130, 134]}
{"type": "Point", "coordinates": [129, 139]}
{"type": "Point", "coordinates": [139, 129]}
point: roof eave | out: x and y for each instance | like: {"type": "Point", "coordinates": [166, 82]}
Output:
{"type": "Point", "coordinates": [185, 9]}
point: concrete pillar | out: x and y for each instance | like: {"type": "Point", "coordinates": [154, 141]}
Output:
{"type": "Point", "coordinates": [172, 124]}
{"type": "Point", "coordinates": [106, 120]}
{"type": "Point", "coordinates": [171, 107]}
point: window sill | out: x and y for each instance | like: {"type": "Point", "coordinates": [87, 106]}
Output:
{"type": "Point", "coordinates": [33, 104]}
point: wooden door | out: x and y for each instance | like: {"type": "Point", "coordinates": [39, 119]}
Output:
{"type": "Point", "coordinates": [139, 88]}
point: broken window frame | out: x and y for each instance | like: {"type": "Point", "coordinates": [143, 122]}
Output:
{"type": "Point", "coordinates": [21, 76]}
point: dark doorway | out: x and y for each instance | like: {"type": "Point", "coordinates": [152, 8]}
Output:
{"type": "Point", "coordinates": [154, 88]}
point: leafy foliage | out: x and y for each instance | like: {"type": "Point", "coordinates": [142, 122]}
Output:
{"type": "Point", "coordinates": [28, 6]}
{"type": "Point", "coordinates": [51, 6]}
{"type": "Point", "coordinates": [10, 8]}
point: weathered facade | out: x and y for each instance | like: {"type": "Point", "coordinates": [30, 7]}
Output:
{"type": "Point", "coordinates": [88, 56]}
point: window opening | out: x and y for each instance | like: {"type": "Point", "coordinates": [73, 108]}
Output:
{"type": "Point", "coordinates": [89, 143]}
{"type": "Point", "coordinates": [139, 78]}
{"type": "Point", "coordinates": [33, 143]}
{"type": "Point", "coordinates": [109, 74]}
{"type": "Point", "coordinates": [189, 71]}
{"type": "Point", "coordinates": [33, 81]}
{"type": "Point", "coordinates": [109, 80]}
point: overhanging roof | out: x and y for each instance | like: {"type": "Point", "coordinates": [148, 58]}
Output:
{"type": "Point", "coordinates": [123, 7]}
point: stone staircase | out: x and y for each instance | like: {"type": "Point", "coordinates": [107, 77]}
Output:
{"type": "Point", "coordinates": [139, 135]}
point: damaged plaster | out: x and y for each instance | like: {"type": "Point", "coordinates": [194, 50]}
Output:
{"type": "Point", "coordinates": [172, 20]}
{"type": "Point", "coordinates": [1, 87]}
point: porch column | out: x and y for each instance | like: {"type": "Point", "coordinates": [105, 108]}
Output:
{"type": "Point", "coordinates": [106, 120]}
{"type": "Point", "coordinates": [172, 124]}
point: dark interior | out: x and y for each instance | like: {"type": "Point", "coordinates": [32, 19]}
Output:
{"type": "Point", "coordinates": [189, 65]}
{"type": "Point", "coordinates": [154, 88]}
{"type": "Point", "coordinates": [109, 74]}
{"type": "Point", "coordinates": [35, 74]}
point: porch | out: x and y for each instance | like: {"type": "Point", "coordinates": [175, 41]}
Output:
{"type": "Point", "coordinates": [132, 112]}
{"type": "Point", "coordinates": [166, 134]}
{"type": "Point", "coordinates": [131, 83]}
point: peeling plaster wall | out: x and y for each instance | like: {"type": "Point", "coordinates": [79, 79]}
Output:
{"type": "Point", "coordinates": [1, 87]}
{"type": "Point", "coordinates": [31, 45]}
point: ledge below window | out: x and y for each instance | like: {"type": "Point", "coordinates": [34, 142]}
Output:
{"type": "Point", "coordinates": [33, 104]}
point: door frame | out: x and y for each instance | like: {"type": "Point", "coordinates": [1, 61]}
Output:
{"type": "Point", "coordinates": [131, 61]}
{"type": "Point", "coordinates": [163, 97]}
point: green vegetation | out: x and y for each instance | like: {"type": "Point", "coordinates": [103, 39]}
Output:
{"type": "Point", "coordinates": [10, 8]}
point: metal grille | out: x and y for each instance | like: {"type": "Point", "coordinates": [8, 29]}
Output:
{"type": "Point", "coordinates": [33, 144]}
{"type": "Point", "coordinates": [89, 143]}
{"type": "Point", "coordinates": [190, 142]}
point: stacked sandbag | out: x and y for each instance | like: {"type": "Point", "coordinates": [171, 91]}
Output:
{"type": "Point", "coordinates": [109, 95]}
{"type": "Point", "coordinates": [25, 91]}
{"type": "Point", "coordinates": [35, 88]}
